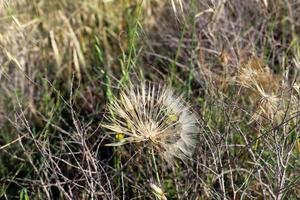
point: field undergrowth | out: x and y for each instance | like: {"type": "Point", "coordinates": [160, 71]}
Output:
{"type": "Point", "coordinates": [233, 64]}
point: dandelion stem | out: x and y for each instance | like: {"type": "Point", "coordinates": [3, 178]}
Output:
{"type": "Point", "coordinates": [155, 166]}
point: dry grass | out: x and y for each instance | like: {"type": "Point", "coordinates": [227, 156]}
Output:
{"type": "Point", "coordinates": [62, 63]}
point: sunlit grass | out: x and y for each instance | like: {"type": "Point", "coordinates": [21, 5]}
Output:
{"type": "Point", "coordinates": [235, 63]}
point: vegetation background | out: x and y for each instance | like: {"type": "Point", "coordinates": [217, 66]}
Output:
{"type": "Point", "coordinates": [236, 62]}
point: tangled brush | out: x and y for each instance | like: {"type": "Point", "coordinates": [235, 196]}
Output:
{"type": "Point", "coordinates": [155, 115]}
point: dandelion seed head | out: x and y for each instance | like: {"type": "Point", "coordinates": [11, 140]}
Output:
{"type": "Point", "coordinates": [153, 113]}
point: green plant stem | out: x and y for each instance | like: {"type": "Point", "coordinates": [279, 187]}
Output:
{"type": "Point", "coordinates": [155, 166]}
